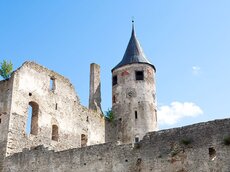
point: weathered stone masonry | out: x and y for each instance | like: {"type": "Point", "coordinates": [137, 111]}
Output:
{"type": "Point", "coordinates": [5, 104]}
{"type": "Point", "coordinates": [133, 96]}
{"type": "Point", "coordinates": [58, 120]}
{"type": "Point", "coordinates": [195, 148]}
{"type": "Point", "coordinates": [64, 136]}
{"type": "Point", "coordinates": [95, 88]}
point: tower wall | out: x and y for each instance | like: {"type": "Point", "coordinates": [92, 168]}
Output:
{"type": "Point", "coordinates": [134, 105]}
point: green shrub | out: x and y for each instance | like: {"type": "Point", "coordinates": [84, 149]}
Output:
{"type": "Point", "coordinates": [227, 140]}
{"type": "Point", "coordinates": [186, 141]}
{"type": "Point", "coordinates": [109, 115]}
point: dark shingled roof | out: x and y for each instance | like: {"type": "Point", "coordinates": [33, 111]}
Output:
{"type": "Point", "coordinates": [133, 53]}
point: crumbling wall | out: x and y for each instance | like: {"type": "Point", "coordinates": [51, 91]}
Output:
{"type": "Point", "coordinates": [197, 148]}
{"type": "Point", "coordinates": [58, 118]}
{"type": "Point", "coordinates": [5, 102]}
{"type": "Point", "coordinates": [95, 88]}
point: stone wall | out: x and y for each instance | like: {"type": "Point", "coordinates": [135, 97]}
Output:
{"type": "Point", "coordinates": [197, 148]}
{"type": "Point", "coordinates": [5, 104]}
{"type": "Point", "coordinates": [59, 121]}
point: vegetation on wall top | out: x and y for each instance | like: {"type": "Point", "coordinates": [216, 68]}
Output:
{"type": "Point", "coordinates": [109, 115]}
{"type": "Point", "coordinates": [6, 69]}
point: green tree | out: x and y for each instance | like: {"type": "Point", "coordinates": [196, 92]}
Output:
{"type": "Point", "coordinates": [6, 69]}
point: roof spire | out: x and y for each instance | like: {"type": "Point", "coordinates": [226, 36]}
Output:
{"type": "Point", "coordinates": [133, 53]}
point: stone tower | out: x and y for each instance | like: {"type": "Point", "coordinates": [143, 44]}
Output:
{"type": "Point", "coordinates": [133, 94]}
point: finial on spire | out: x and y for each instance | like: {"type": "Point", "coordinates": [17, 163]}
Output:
{"type": "Point", "coordinates": [132, 25]}
{"type": "Point", "coordinates": [132, 20]}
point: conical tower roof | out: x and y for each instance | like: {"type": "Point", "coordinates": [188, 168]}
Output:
{"type": "Point", "coordinates": [134, 53]}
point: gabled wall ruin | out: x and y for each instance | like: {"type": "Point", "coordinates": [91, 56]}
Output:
{"type": "Point", "coordinates": [58, 120]}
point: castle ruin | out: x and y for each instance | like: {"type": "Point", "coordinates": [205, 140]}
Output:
{"type": "Point", "coordinates": [44, 127]}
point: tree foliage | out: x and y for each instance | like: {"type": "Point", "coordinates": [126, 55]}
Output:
{"type": "Point", "coordinates": [6, 69]}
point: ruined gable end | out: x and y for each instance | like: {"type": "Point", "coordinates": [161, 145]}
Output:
{"type": "Point", "coordinates": [41, 104]}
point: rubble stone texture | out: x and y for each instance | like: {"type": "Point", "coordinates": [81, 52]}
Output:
{"type": "Point", "coordinates": [134, 104]}
{"type": "Point", "coordinates": [163, 151]}
{"type": "Point", "coordinates": [67, 137]}
{"type": "Point", "coordinates": [58, 120]}
{"type": "Point", "coordinates": [95, 88]}
{"type": "Point", "coordinates": [64, 136]}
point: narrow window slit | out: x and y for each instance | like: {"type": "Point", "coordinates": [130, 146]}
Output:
{"type": "Point", "coordinates": [55, 135]}
{"type": "Point", "coordinates": [114, 99]}
{"type": "Point", "coordinates": [115, 80]}
{"type": "Point", "coordinates": [136, 139]}
{"type": "Point", "coordinates": [135, 114]}
{"type": "Point", "coordinates": [84, 140]}
{"type": "Point", "coordinates": [52, 84]}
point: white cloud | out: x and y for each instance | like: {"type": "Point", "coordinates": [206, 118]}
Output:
{"type": "Point", "coordinates": [196, 70]}
{"type": "Point", "coordinates": [171, 114]}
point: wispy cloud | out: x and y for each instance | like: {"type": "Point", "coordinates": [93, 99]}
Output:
{"type": "Point", "coordinates": [171, 114]}
{"type": "Point", "coordinates": [196, 70]}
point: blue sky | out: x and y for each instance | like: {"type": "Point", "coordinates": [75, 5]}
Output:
{"type": "Point", "coordinates": [188, 42]}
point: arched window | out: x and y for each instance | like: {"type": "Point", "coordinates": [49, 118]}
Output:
{"type": "Point", "coordinates": [32, 121]}
{"type": "Point", "coordinates": [84, 140]}
{"type": "Point", "coordinates": [55, 135]}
